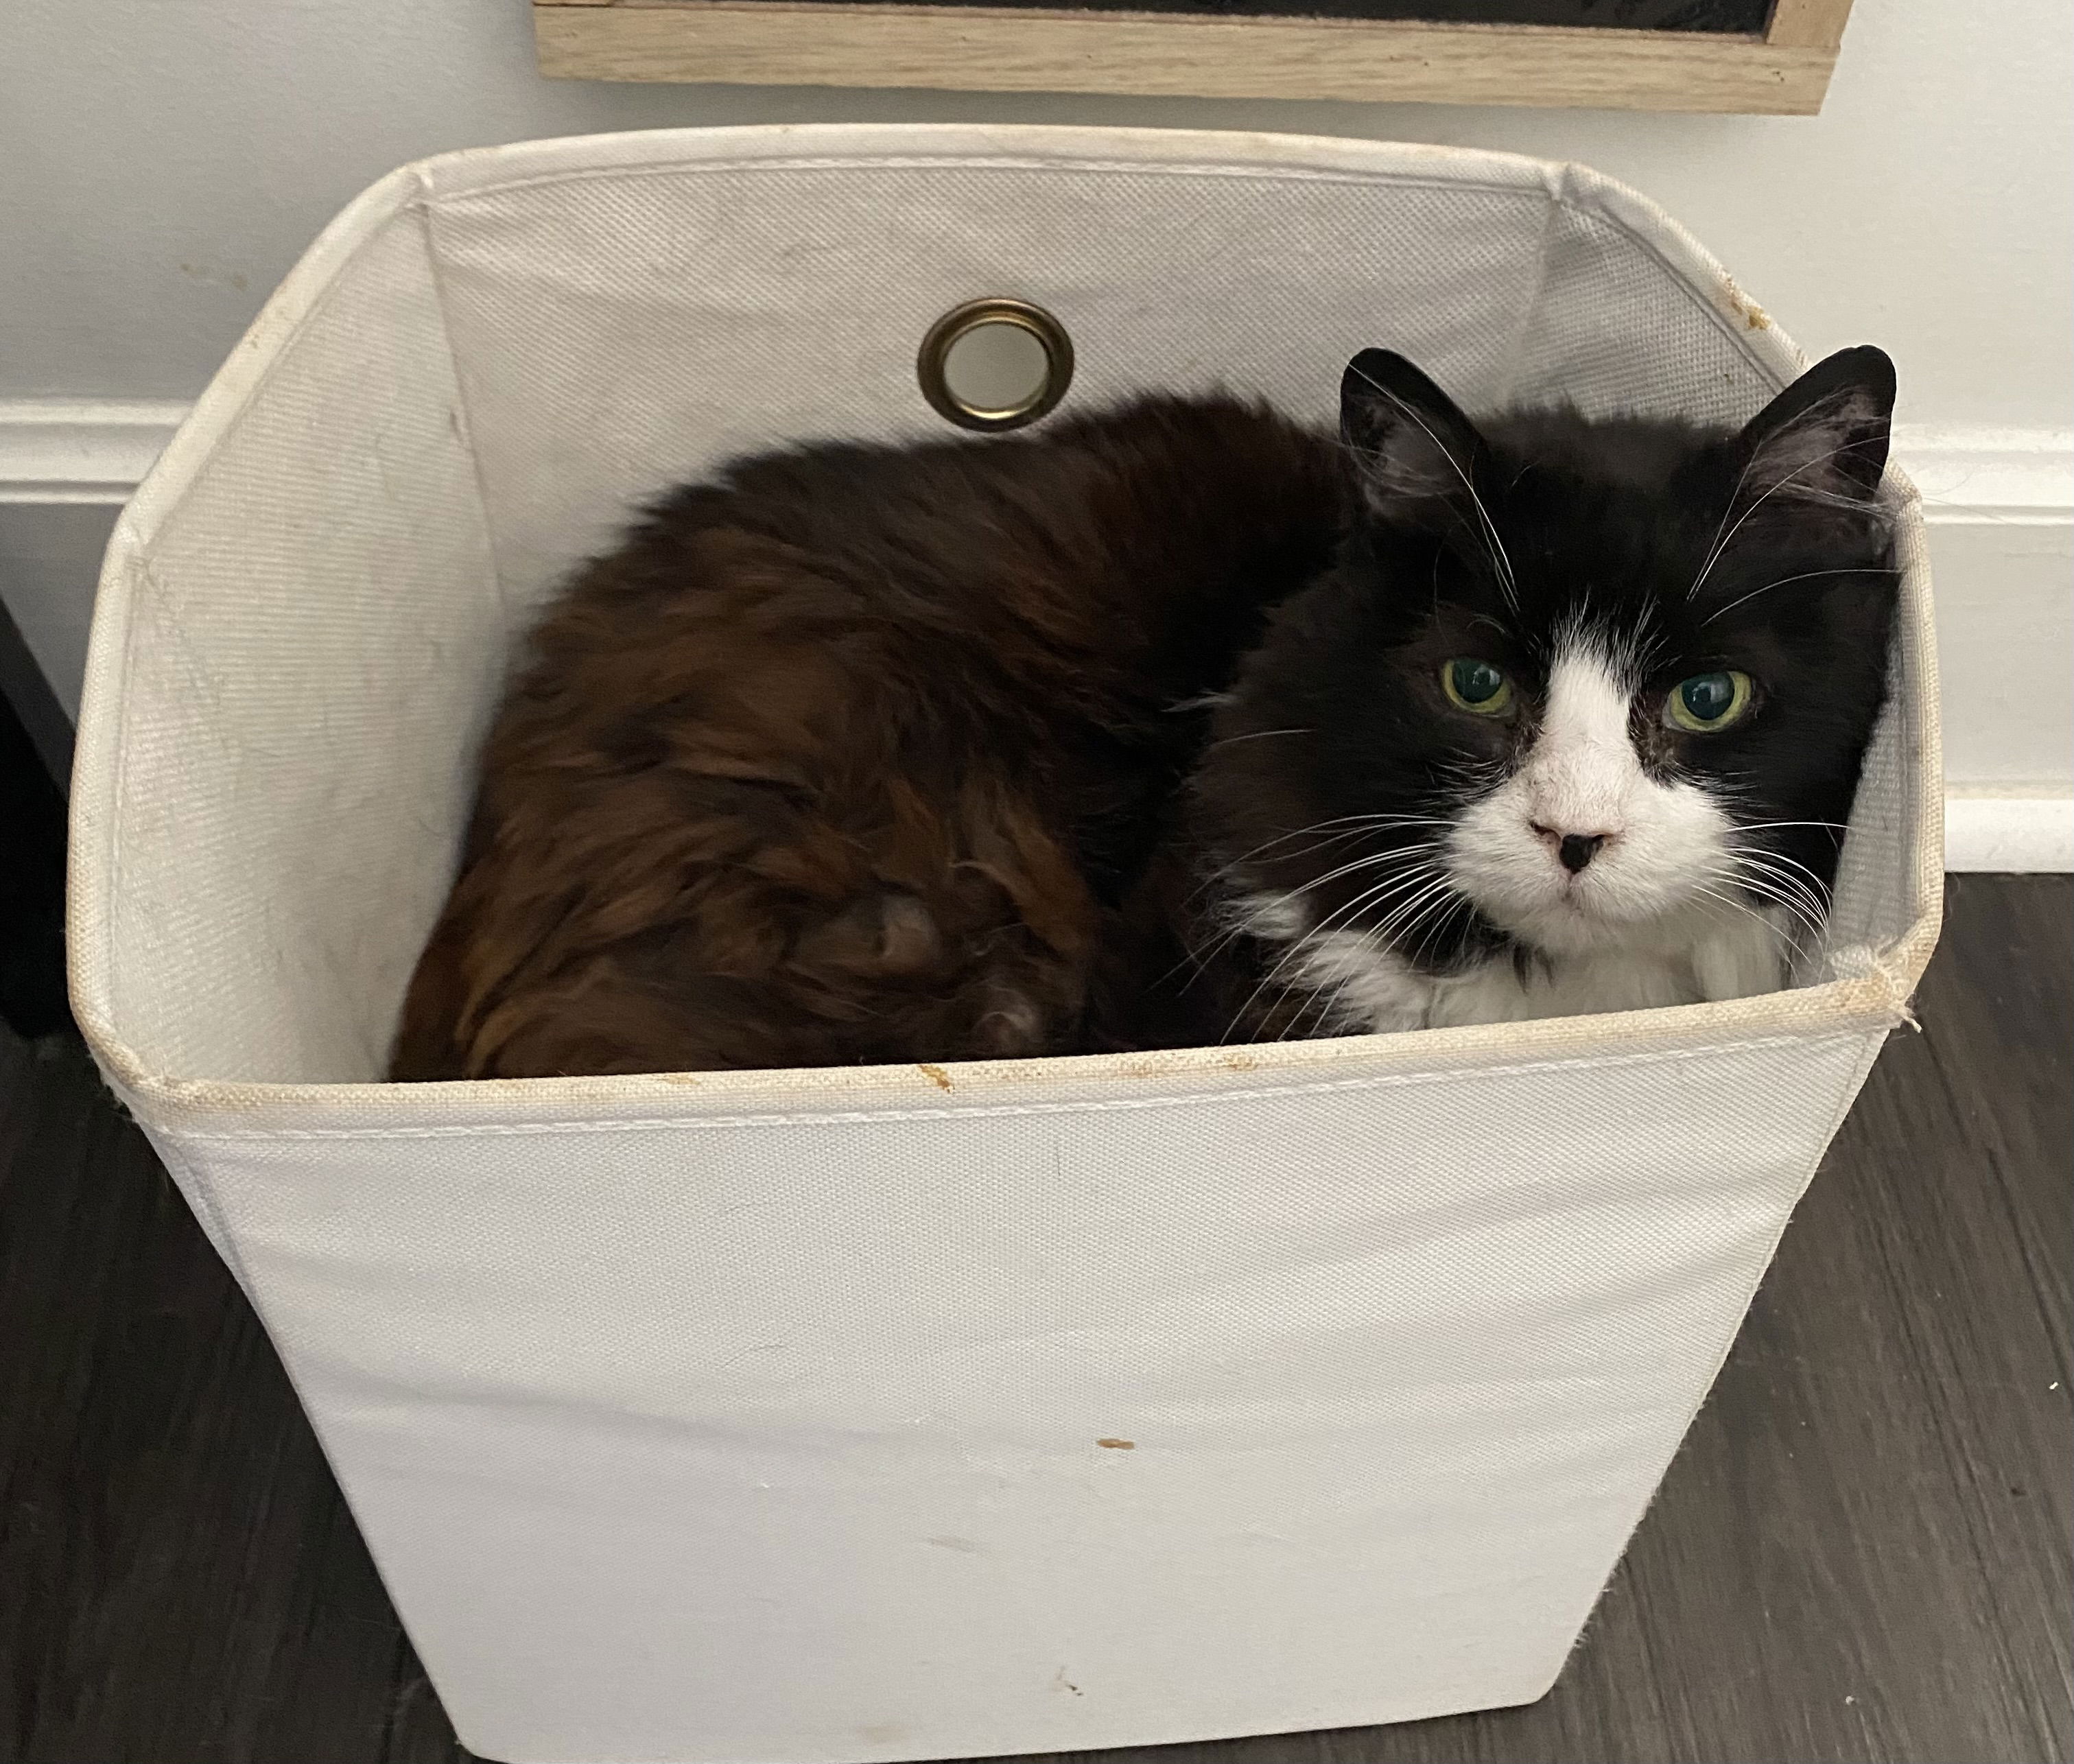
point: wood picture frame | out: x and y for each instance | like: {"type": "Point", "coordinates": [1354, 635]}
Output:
{"type": "Point", "coordinates": [1782, 69]}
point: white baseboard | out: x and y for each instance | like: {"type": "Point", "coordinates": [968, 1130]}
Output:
{"type": "Point", "coordinates": [67, 451]}
{"type": "Point", "coordinates": [2009, 832]}
{"type": "Point", "coordinates": [1977, 473]}
{"type": "Point", "coordinates": [1999, 502]}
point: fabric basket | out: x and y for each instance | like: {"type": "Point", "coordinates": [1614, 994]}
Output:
{"type": "Point", "coordinates": [909, 1412]}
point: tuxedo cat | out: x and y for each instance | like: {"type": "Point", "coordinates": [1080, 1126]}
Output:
{"type": "Point", "coordinates": [1575, 721]}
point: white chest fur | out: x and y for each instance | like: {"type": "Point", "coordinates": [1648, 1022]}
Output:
{"type": "Point", "coordinates": [1363, 987]}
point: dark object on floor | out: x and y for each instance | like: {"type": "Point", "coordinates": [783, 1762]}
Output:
{"type": "Point", "coordinates": [1862, 1553]}
{"type": "Point", "coordinates": [32, 852]}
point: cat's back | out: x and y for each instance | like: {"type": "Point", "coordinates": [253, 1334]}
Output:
{"type": "Point", "coordinates": [1093, 532]}
{"type": "Point", "coordinates": [814, 767]}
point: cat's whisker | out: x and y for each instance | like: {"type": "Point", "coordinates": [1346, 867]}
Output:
{"type": "Point", "coordinates": [1256, 735]}
{"type": "Point", "coordinates": [1795, 915]}
{"type": "Point", "coordinates": [1300, 945]}
{"type": "Point", "coordinates": [1786, 581]}
{"type": "Point", "coordinates": [1722, 895]}
{"type": "Point", "coordinates": [1362, 823]}
{"type": "Point", "coordinates": [1810, 903]}
{"type": "Point", "coordinates": [1428, 883]}
{"type": "Point", "coordinates": [1763, 857]}
{"type": "Point", "coordinates": [1419, 877]}
{"type": "Point", "coordinates": [1318, 1008]}
{"type": "Point", "coordinates": [1389, 931]}
{"type": "Point", "coordinates": [1714, 544]}
{"type": "Point", "coordinates": [1408, 911]}
{"type": "Point", "coordinates": [1781, 857]}
{"type": "Point", "coordinates": [1744, 907]}
{"type": "Point", "coordinates": [1241, 924]}
{"type": "Point", "coordinates": [1722, 545]}
{"type": "Point", "coordinates": [1436, 887]}
{"type": "Point", "coordinates": [1491, 538]}
{"type": "Point", "coordinates": [1437, 924]}
{"type": "Point", "coordinates": [1786, 891]}
{"type": "Point", "coordinates": [1328, 1011]}
{"type": "Point", "coordinates": [1786, 869]}
{"type": "Point", "coordinates": [1795, 912]}
{"type": "Point", "coordinates": [1232, 872]}
{"type": "Point", "coordinates": [1374, 862]}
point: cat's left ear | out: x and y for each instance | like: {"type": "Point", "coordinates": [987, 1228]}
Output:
{"type": "Point", "coordinates": [1412, 442]}
{"type": "Point", "coordinates": [1826, 435]}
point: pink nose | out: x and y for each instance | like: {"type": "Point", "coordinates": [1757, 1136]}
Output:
{"type": "Point", "coordinates": [1573, 850]}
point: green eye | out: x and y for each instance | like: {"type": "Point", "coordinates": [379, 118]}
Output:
{"type": "Point", "coordinates": [1477, 687]}
{"type": "Point", "coordinates": [1707, 702]}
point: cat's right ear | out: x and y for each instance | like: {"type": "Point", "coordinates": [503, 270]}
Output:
{"type": "Point", "coordinates": [1411, 441]}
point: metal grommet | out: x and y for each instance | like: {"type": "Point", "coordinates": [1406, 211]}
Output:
{"type": "Point", "coordinates": [995, 364]}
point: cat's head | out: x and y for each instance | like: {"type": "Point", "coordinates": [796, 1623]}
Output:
{"type": "Point", "coordinates": [1572, 681]}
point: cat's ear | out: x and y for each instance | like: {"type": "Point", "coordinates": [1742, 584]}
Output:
{"type": "Point", "coordinates": [1826, 435]}
{"type": "Point", "coordinates": [1411, 440]}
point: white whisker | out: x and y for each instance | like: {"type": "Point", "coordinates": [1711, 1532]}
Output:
{"type": "Point", "coordinates": [1496, 545]}
{"type": "Point", "coordinates": [1714, 556]}
{"type": "Point", "coordinates": [1297, 948]}
{"type": "Point", "coordinates": [1258, 735]}
{"type": "Point", "coordinates": [1788, 581]}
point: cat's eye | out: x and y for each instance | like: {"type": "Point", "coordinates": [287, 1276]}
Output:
{"type": "Point", "coordinates": [1707, 702]}
{"type": "Point", "coordinates": [1477, 687]}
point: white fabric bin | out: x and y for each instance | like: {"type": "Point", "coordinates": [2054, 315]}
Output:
{"type": "Point", "coordinates": [909, 1412]}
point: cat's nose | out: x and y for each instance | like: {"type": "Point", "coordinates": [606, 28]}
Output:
{"type": "Point", "coordinates": [1574, 850]}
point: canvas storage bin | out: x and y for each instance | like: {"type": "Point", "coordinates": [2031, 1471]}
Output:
{"type": "Point", "coordinates": [906, 1413]}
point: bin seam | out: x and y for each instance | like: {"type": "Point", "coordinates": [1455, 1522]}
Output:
{"type": "Point", "coordinates": [428, 231]}
{"type": "Point", "coordinates": [1531, 312]}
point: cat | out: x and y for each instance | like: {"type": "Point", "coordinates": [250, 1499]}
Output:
{"type": "Point", "coordinates": [1576, 723]}
{"type": "Point", "coordinates": [1179, 724]}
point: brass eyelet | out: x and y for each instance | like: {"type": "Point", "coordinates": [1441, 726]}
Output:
{"type": "Point", "coordinates": [932, 364]}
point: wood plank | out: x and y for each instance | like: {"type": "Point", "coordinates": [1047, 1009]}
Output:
{"type": "Point", "coordinates": [767, 42]}
{"type": "Point", "coordinates": [1805, 24]}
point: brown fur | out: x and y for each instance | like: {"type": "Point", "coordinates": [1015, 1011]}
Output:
{"type": "Point", "coordinates": [864, 754]}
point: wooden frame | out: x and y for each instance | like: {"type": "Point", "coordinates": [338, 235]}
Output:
{"type": "Point", "coordinates": [1783, 71]}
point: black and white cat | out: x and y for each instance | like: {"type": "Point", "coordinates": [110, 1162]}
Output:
{"type": "Point", "coordinates": [1574, 724]}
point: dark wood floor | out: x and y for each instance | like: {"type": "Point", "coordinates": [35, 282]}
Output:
{"type": "Point", "coordinates": [1862, 1552]}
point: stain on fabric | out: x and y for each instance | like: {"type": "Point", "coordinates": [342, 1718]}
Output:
{"type": "Point", "coordinates": [1753, 316]}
